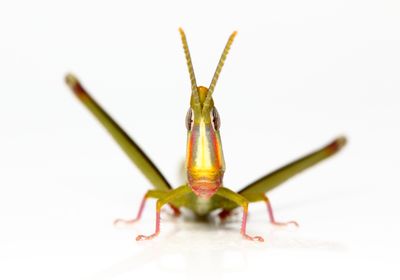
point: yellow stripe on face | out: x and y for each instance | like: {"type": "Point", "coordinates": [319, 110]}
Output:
{"type": "Point", "coordinates": [204, 159]}
{"type": "Point", "coordinates": [203, 152]}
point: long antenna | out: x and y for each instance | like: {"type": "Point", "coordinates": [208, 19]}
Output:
{"type": "Point", "coordinates": [195, 93]}
{"type": "Point", "coordinates": [207, 102]}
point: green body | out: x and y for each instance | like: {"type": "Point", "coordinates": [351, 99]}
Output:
{"type": "Point", "coordinates": [204, 191]}
{"type": "Point", "coordinates": [253, 192]}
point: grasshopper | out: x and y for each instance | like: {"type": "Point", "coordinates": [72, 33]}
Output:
{"type": "Point", "coordinates": [203, 191]}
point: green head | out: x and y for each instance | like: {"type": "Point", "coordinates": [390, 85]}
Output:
{"type": "Point", "coordinates": [205, 164]}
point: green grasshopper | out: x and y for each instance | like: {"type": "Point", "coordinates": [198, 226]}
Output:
{"type": "Point", "coordinates": [204, 191]}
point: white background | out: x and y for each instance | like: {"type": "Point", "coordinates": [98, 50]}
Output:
{"type": "Point", "coordinates": [299, 74]}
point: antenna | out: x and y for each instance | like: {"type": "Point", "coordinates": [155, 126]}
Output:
{"type": "Point", "coordinates": [207, 102]}
{"type": "Point", "coordinates": [195, 93]}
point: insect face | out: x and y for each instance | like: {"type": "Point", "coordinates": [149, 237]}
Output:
{"type": "Point", "coordinates": [205, 164]}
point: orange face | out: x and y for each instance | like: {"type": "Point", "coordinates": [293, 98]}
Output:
{"type": "Point", "coordinates": [205, 164]}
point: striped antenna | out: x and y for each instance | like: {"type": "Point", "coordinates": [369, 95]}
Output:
{"type": "Point", "coordinates": [195, 93]}
{"type": "Point", "coordinates": [207, 102]}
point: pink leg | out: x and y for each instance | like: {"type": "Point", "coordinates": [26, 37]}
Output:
{"type": "Point", "coordinates": [271, 214]}
{"type": "Point", "coordinates": [160, 202]}
{"type": "Point", "coordinates": [242, 202]}
{"type": "Point", "coordinates": [243, 229]}
{"type": "Point", "coordinates": [138, 216]}
{"type": "Point", "coordinates": [148, 237]}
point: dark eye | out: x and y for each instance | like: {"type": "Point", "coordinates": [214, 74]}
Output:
{"type": "Point", "coordinates": [189, 119]}
{"type": "Point", "coordinates": [215, 118]}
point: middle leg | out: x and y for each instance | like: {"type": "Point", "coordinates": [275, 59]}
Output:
{"type": "Point", "coordinates": [271, 214]}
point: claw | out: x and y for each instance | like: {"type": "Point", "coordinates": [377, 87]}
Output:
{"type": "Point", "coordinates": [253, 238]}
{"type": "Point", "coordinates": [125, 222]}
{"type": "Point", "coordinates": [285, 224]}
{"type": "Point", "coordinates": [144, 237]}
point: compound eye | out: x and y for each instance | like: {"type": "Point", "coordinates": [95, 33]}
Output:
{"type": "Point", "coordinates": [216, 121]}
{"type": "Point", "coordinates": [189, 119]}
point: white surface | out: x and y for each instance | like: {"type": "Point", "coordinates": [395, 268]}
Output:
{"type": "Point", "coordinates": [299, 74]}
